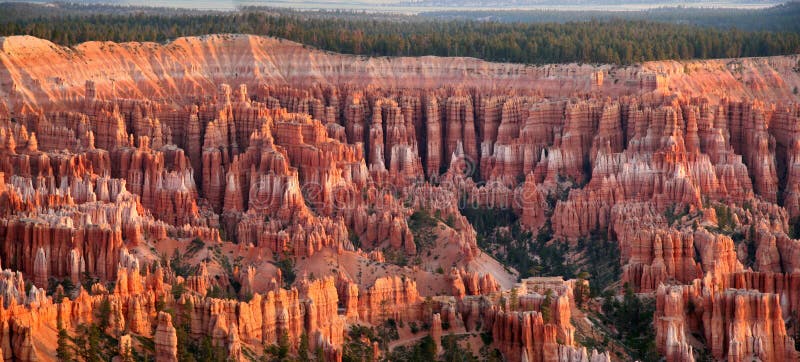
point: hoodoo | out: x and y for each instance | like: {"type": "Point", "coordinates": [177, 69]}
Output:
{"type": "Point", "coordinates": [241, 197]}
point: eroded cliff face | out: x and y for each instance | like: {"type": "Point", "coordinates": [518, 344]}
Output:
{"type": "Point", "coordinates": [253, 192]}
{"type": "Point", "coordinates": [737, 324]}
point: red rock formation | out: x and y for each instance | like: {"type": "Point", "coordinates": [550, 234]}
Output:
{"type": "Point", "coordinates": [321, 311]}
{"type": "Point", "coordinates": [471, 283]}
{"type": "Point", "coordinates": [165, 339]}
{"type": "Point", "coordinates": [651, 254]}
{"type": "Point", "coordinates": [390, 297]}
{"type": "Point", "coordinates": [100, 248]}
{"type": "Point", "coordinates": [784, 285]}
{"type": "Point", "coordinates": [738, 324]}
{"type": "Point", "coordinates": [436, 331]}
{"type": "Point", "coordinates": [521, 333]}
{"type": "Point", "coordinates": [321, 159]}
{"type": "Point", "coordinates": [201, 281]}
{"type": "Point", "coordinates": [532, 201]}
{"type": "Point", "coordinates": [671, 322]}
{"type": "Point", "coordinates": [749, 129]}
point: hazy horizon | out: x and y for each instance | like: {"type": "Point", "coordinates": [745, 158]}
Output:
{"type": "Point", "coordinates": [417, 6]}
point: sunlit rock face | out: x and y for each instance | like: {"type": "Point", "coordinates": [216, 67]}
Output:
{"type": "Point", "coordinates": [255, 192]}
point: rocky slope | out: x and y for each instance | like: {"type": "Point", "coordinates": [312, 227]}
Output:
{"type": "Point", "coordinates": [245, 192]}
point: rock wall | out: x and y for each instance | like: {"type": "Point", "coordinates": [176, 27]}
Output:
{"type": "Point", "coordinates": [738, 324]}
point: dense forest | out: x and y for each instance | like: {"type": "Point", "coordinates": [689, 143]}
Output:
{"type": "Point", "coordinates": [785, 17]}
{"type": "Point", "coordinates": [598, 41]}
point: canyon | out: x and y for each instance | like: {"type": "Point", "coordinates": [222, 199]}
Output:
{"type": "Point", "coordinates": [249, 192]}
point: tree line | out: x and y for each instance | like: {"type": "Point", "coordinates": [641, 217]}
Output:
{"type": "Point", "coordinates": [783, 17]}
{"type": "Point", "coordinates": [615, 41]}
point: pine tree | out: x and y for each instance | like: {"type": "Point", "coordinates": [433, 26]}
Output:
{"type": "Point", "coordinates": [302, 351]}
{"type": "Point", "coordinates": [547, 314]}
{"type": "Point", "coordinates": [64, 350]}
{"type": "Point", "coordinates": [513, 299]}
{"type": "Point", "coordinates": [104, 311]}
{"type": "Point", "coordinates": [581, 289]}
